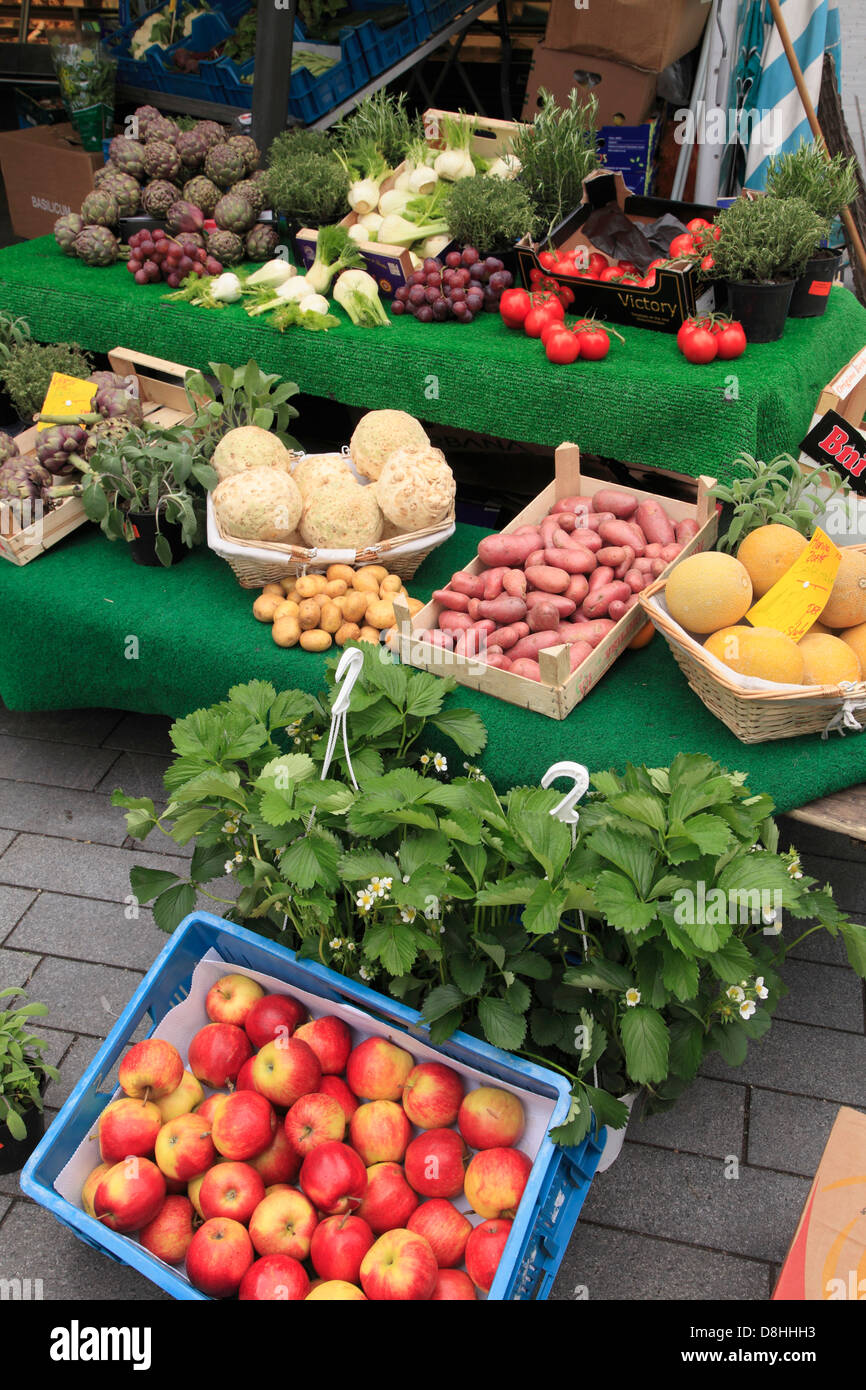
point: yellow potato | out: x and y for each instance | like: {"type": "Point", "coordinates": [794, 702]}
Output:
{"type": "Point", "coordinates": [330, 618]}
{"type": "Point", "coordinates": [336, 588]}
{"type": "Point", "coordinates": [273, 588]}
{"type": "Point", "coordinates": [311, 584]}
{"type": "Point", "coordinates": [292, 593]}
{"type": "Point", "coordinates": [391, 584]}
{"type": "Point", "coordinates": [414, 605]}
{"type": "Point", "coordinates": [380, 614]}
{"type": "Point", "coordinates": [369, 634]}
{"type": "Point", "coordinates": [347, 632]}
{"type": "Point", "coordinates": [354, 606]}
{"type": "Point", "coordinates": [344, 572]}
{"type": "Point", "coordinates": [308, 614]}
{"type": "Point", "coordinates": [288, 584]}
{"type": "Point", "coordinates": [379, 571]}
{"type": "Point", "coordinates": [265, 606]}
{"type": "Point", "coordinates": [315, 640]}
{"type": "Point", "coordinates": [366, 583]}
{"type": "Point", "coordinates": [287, 609]}
{"type": "Point", "coordinates": [286, 632]}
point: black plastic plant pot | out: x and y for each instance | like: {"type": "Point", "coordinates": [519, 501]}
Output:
{"type": "Point", "coordinates": [812, 290]}
{"type": "Point", "coordinates": [14, 1153]}
{"type": "Point", "coordinates": [761, 309]}
{"type": "Point", "coordinates": [143, 544]}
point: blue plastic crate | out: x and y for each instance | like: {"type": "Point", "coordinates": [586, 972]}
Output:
{"type": "Point", "coordinates": [557, 1186]}
{"type": "Point", "coordinates": [309, 97]}
{"type": "Point", "coordinates": [383, 48]}
{"type": "Point", "coordinates": [441, 12]}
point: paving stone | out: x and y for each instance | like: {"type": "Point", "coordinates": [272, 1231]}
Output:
{"type": "Point", "coordinates": [788, 1132]}
{"type": "Point", "coordinates": [802, 1060]}
{"type": "Point", "coordinates": [820, 946]}
{"type": "Point", "coordinates": [75, 1063]}
{"type": "Point", "coordinates": [142, 733]}
{"type": "Point", "coordinates": [33, 1245]}
{"type": "Point", "coordinates": [707, 1119]}
{"type": "Point", "coordinates": [90, 871]}
{"type": "Point", "coordinates": [14, 902]}
{"type": "Point", "coordinates": [54, 764]}
{"type": "Point", "coordinates": [624, 1266]}
{"type": "Point", "coordinates": [846, 878]}
{"type": "Point", "coordinates": [83, 997]}
{"type": "Point", "coordinates": [6, 838]}
{"type": "Point", "coordinates": [86, 929]}
{"type": "Point", "coordinates": [5, 1204]}
{"type": "Point", "coordinates": [77, 726]}
{"type": "Point", "coordinates": [75, 815]}
{"type": "Point", "coordinates": [16, 967]}
{"type": "Point", "coordinates": [814, 840]}
{"type": "Point", "coordinates": [138, 774]}
{"type": "Point", "coordinates": [822, 994]}
{"type": "Point", "coordinates": [689, 1199]}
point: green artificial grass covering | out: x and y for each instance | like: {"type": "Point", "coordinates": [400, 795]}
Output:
{"type": "Point", "coordinates": [85, 626]}
{"type": "Point", "coordinates": [643, 404]}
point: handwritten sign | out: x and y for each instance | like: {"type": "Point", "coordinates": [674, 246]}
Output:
{"type": "Point", "coordinates": [797, 600]}
{"type": "Point", "coordinates": [66, 395]}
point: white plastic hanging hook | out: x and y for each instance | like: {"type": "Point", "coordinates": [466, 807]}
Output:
{"type": "Point", "coordinates": [348, 671]}
{"type": "Point", "coordinates": [566, 810]}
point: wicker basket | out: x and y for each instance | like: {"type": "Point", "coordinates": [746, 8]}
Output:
{"type": "Point", "coordinates": [757, 716]}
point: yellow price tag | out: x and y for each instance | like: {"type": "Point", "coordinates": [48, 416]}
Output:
{"type": "Point", "coordinates": [66, 395]}
{"type": "Point", "coordinates": [797, 600]}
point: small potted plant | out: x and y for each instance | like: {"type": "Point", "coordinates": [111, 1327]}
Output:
{"type": "Point", "coordinates": [763, 247]}
{"type": "Point", "coordinates": [828, 186]}
{"type": "Point", "coordinates": [23, 1077]}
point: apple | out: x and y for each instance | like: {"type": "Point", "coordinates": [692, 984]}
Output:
{"type": "Point", "coordinates": [184, 1098]}
{"type": "Point", "coordinates": [444, 1228]}
{"type": "Point", "coordinates": [245, 1076]}
{"type": "Point", "coordinates": [129, 1195]}
{"type": "Point", "coordinates": [377, 1069]}
{"type": "Point", "coordinates": [335, 1291]}
{"type": "Point", "coordinates": [491, 1118]}
{"type": "Point", "coordinates": [314, 1119]}
{"type": "Point", "coordinates": [151, 1069]}
{"type": "Point", "coordinates": [335, 1086]}
{"type": "Point", "coordinates": [244, 1124]}
{"type": "Point", "coordinates": [400, 1266]}
{"type": "Point", "coordinates": [184, 1147]}
{"type": "Point", "coordinates": [380, 1131]}
{"type": "Point", "coordinates": [330, 1039]}
{"type": "Point", "coordinates": [91, 1183]}
{"type": "Point", "coordinates": [452, 1285]}
{"type": "Point", "coordinates": [278, 1162]}
{"type": "Point", "coordinates": [275, 1278]}
{"type": "Point", "coordinates": [274, 1016]}
{"type": "Point", "coordinates": [283, 1224]}
{"type": "Point", "coordinates": [389, 1200]}
{"type": "Point", "coordinates": [432, 1095]}
{"type": "Point", "coordinates": [193, 1191]}
{"type": "Point", "coordinates": [435, 1163]}
{"type": "Point", "coordinates": [286, 1070]}
{"type": "Point", "coordinates": [339, 1245]}
{"type": "Point", "coordinates": [231, 1189]}
{"type": "Point", "coordinates": [495, 1180]}
{"type": "Point", "coordinates": [217, 1053]}
{"type": "Point", "coordinates": [219, 1256]}
{"type": "Point", "coordinates": [334, 1178]}
{"type": "Point", "coordinates": [207, 1109]}
{"type": "Point", "coordinates": [169, 1234]}
{"type": "Point", "coordinates": [231, 998]}
{"type": "Point", "coordinates": [484, 1251]}
{"type": "Point", "coordinates": [128, 1127]}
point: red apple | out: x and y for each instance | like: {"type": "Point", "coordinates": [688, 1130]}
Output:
{"type": "Point", "coordinates": [217, 1053]}
{"type": "Point", "coordinates": [184, 1147]}
{"type": "Point", "coordinates": [193, 1191]}
{"type": "Point", "coordinates": [207, 1109]}
{"type": "Point", "coordinates": [274, 1016]}
{"type": "Point", "coordinates": [453, 1286]}
{"type": "Point", "coordinates": [484, 1251]}
{"type": "Point", "coordinates": [491, 1118]}
{"type": "Point", "coordinates": [339, 1245]}
{"type": "Point", "coordinates": [380, 1131]}
{"type": "Point", "coordinates": [219, 1256]}
{"type": "Point", "coordinates": [314, 1119]}
{"type": "Point", "coordinates": [400, 1266]}
{"type": "Point", "coordinates": [335, 1291]}
{"type": "Point", "coordinates": [91, 1183]}
{"type": "Point", "coordinates": [231, 998]}
{"type": "Point", "coordinates": [435, 1163]}
{"type": "Point", "coordinates": [231, 1189]}
{"type": "Point", "coordinates": [151, 1069]}
{"type": "Point", "coordinates": [283, 1224]}
{"type": "Point", "coordinates": [444, 1228]}
{"type": "Point", "coordinates": [274, 1279]}
{"type": "Point", "coordinates": [128, 1127]}
{"type": "Point", "coordinates": [278, 1162]}
{"type": "Point", "coordinates": [245, 1076]}
{"type": "Point", "coordinates": [389, 1200]}
{"type": "Point", "coordinates": [169, 1234]}
{"type": "Point", "coordinates": [377, 1069]}
{"type": "Point", "coordinates": [182, 1100]}
{"type": "Point", "coordinates": [495, 1180]}
{"type": "Point", "coordinates": [330, 1039]}
{"type": "Point", "coordinates": [129, 1195]}
{"type": "Point", "coordinates": [334, 1178]}
{"type": "Point", "coordinates": [244, 1124]}
{"type": "Point", "coordinates": [335, 1086]}
{"type": "Point", "coordinates": [285, 1071]}
{"type": "Point", "coordinates": [432, 1095]}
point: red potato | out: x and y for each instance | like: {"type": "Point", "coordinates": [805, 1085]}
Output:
{"type": "Point", "coordinates": [508, 551]}
{"type": "Point", "coordinates": [622, 533]}
{"type": "Point", "coordinates": [470, 584]}
{"type": "Point", "coordinates": [561, 602]}
{"type": "Point", "coordinates": [544, 617]}
{"type": "Point", "coordinates": [533, 644]}
{"type": "Point", "coordinates": [584, 535]}
{"type": "Point", "coordinates": [492, 582]}
{"type": "Point", "coordinates": [609, 499]}
{"type": "Point", "coordinates": [526, 668]}
{"type": "Point", "coordinates": [590, 632]}
{"type": "Point", "coordinates": [497, 659]}
{"type": "Point", "coordinates": [658, 567]}
{"type": "Point", "coordinates": [485, 625]}
{"type": "Point", "coordinates": [514, 583]}
{"type": "Point", "coordinates": [655, 523]}
{"type": "Point", "coordinates": [685, 530]}
{"type": "Point", "coordinates": [458, 603]}
{"type": "Point", "coordinates": [576, 591]}
{"type": "Point", "coordinates": [572, 504]}
{"type": "Point", "coordinates": [644, 564]}
{"type": "Point", "coordinates": [622, 569]}
{"type": "Point", "coordinates": [670, 552]}
{"type": "Point", "coordinates": [552, 533]}
{"type": "Point", "coordinates": [637, 580]}
{"type": "Point", "coordinates": [525, 530]}
{"type": "Point", "coordinates": [506, 637]}
{"type": "Point", "coordinates": [567, 520]}
{"type": "Point", "coordinates": [597, 603]}
{"type": "Point", "coordinates": [454, 622]}
{"type": "Point", "coordinates": [504, 610]}
{"type": "Point", "coordinates": [613, 555]}
{"type": "Point", "coordinates": [618, 608]}
{"type": "Point", "coordinates": [435, 637]}
{"type": "Point", "coordinates": [595, 520]}
{"type": "Point", "coordinates": [551, 578]}
{"type": "Point", "coordinates": [536, 558]}
{"type": "Point", "coordinates": [597, 580]}
{"type": "Point", "coordinates": [571, 558]}
{"type": "Point", "coordinates": [577, 653]}
{"type": "Point", "coordinates": [471, 642]}
{"type": "Point", "coordinates": [654, 550]}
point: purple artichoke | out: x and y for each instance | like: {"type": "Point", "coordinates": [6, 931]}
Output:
{"type": "Point", "coordinates": [162, 128]}
{"type": "Point", "coordinates": [262, 242]}
{"type": "Point", "coordinates": [97, 246]}
{"type": "Point", "coordinates": [23, 479]}
{"type": "Point", "coordinates": [100, 209]}
{"type": "Point", "coordinates": [143, 117]}
{"type": "Point", "coordinates": [57, 447]}
{"type": "Point", "coordinates": [66, 229]}
{"type": "Point", "coordinates": [211, 133]}
{"type": "Point", "coordinates": [112, 403]}
{"type": "Point", "coordinates": [192, 149]}
{"type": "Point", "coordinates": [253, 192]}
{"type": "Point", "coordinates": [225, 247]}
{"type": "Point", "coordinates": [161, 160]}
{"type": "Point", "coordinates": [122, 187]}
{"type": "Point", "coordinates": [184, 217]}
{"type": "Point", "coordinates": [127, 155]}
{"type": "Point", "coordinates": [202, 193]}
{"type": "Point", "coordinates": [225, 165]}
{"type": "Point", "coordinates": [111, 379]}
{"type": "Point", "coordinates": [248, 150]}
{"type": "Point", "coordinates": [234, 214]}
{"type": "Point", "coordinates": [8, 449]}
{"type": "Point", "coordinates": [158, 197]}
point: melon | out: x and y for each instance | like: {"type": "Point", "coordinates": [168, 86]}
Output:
{"type": "Point", "coordinates": [846, 606]}
{"type": "Point", "coordinates": [768, 553]}
{"type": "Point", "coordinates": [819, 627]}
{"type": "Point", "coordinates": [828, 660]}
{"type": "Point", "coordinates": [758, 651]}
{"type": "Point", "coordinates": [708, 591]}
{"type": "Point", "coordinates": [855, 637]}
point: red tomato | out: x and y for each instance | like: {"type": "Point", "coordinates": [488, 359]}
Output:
{"type": "Point", "coordinates": [548, 260]}
{"type": "Point", "coordinates": [700, 346]}
{"type": "Point", "coordinates": [597, 263]}
{"type": "Point", "coordinates": [566, 266]}
{"type": "Point", "coordinates": [629, 280]}
{"type": "Point", "coordinates": [685, 332]}
{"type": "Point", "coordinates": [649, 281]}
{"type": "Point", "coordinates": [562, 347]}
{"type": "Point", "coordinates": [717, 232]}
{"type": "Point", "coordinates": [628, 267]}
{"type": "Point", "coordinates": [653, 265]}
{"type": "Point", "coordinates": [542, 313]}
{"type": "Point", "coordinates": [514, 306]}
{"type": "Point", "coordinates": [536, 276]}
{"type": "Point", "coordinates": [730, 341]}
{"type": "Point", "coordinates": [698, 224]}
{"type": "Point", "coordinates": [707, 262]}
{"type": "Point", "coordinates": [683, 245]}
{"type": "Point", "coordinates": [610, 272]}
{"type": "Point", "coordinates": [594, 344]}
{"type": "Point", "coordinates": [551, 326]}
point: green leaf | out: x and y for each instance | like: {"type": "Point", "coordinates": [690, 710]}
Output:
{"type": "Point", "coordinates": [711, 834]}
{"type": "Point", "coordinates": [190, 823]}
{"type": "Point", "coordinates": [617, 900]}
{"type": "Point", "coordinates": [679, 973]}
{"type": "Point", "coordinates": [441, 1030]}
{"type": "Point", "coordinates": [441, 1001]}
{"type": "Point", "coordinates": [533, 826]}
{"type": "Point", "coordinates": [502, 1026]}
{"type": "Point", "coordinates": [310, 860]}
{"type": "Point", "coordinates": [146, 883]}
{"type": "Point", "coordinates": [530, 963]}
{"type": "Point", "coordinates": [474, 858]}
{"type": "Point", "coordinates": [518, 996]}
{"type": "Point", "coordinates": [423, 694]}
{"type": "Point", "coordinates": [493, 949]}
{"type": "Point", "coordinates": [386, 676]}
{"type": "Point", "coordinates": [461, 826]}
{"type": "Point", "coordinates": [632, 855]}
{"type": "Point", "coordinates": [854, 936]}
{"type": "Point", "coordinates": [207, 862]}
{"type": "Point", "coordinates": [469, 975]}
{"type": "Point", "coordinates": [140, 814]}
{"type": "Point", "coordinates": [647, 1043]}
{"type": "Point", "coordinates": [546, 1027]}
{"type": "Point", "coordinates": [730, 1040]}
{"type": "Point", "coordinates": [542, 913]}
{"type": "Point", "coordinates": [732, 963]}
{"type": "Point", "coordinates": [360, 865]}
{"type": "Point", "coordinates": [170, 908]}
{"type": "Point", "coordinates": [462, 726]}
{"type": "Point", "coordinates": [515, 888]}
{"type": "Point", "coordinates": [640, 806]}
{"type": "Point", "coordinates": [687, 1047]}
{"type": "Point", "coordinates": [395, 944]}
{"type": "Point", "coordinates": [608, 1110]}
{"type": "Point", "coordinates": [278, 807]}
{"type": "Point", "coordinates": [599, 973]}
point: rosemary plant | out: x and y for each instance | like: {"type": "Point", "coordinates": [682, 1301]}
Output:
{"type": "Point", "coordinates": [827, 186]}
{"type": "Point", "coordinates": [556, 153]}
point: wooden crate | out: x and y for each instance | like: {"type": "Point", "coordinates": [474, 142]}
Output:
{"type": "Point", "coordinates": [559, 689]}
{"type": "Point", "coordinates": [390, 266]}
{"type": "Point", "coordinates": [163, 403]}
{"type": "Point", "coordinates": [491, 139]}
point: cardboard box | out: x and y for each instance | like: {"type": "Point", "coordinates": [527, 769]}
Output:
{"type": "Point", "coordinates": [646, 34]}
{"type": "Point", "coordinates": [827, 1258]}
{"type": "Point", "coordinates": [47, 174]}
{"type": "Point", "coordinates": [625, 95]}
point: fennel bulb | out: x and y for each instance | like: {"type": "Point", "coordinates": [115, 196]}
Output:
{"type": "Point", "coordinates": [226, 288]}
{"type": "Point", "coordinates": [296, 288]}
{"type": "Point", "coordinates": [271, 274]}
{"type": "Point", "coordinates": [358, 293]}
{"type": "Point", "coordinates": [394, 201]}
{"type": "Point", "coordinates": [313, 304]}
{"type": "Point", "coordinates": [359, 233]}
{"type": "Point", "coordinates": [423, 179]}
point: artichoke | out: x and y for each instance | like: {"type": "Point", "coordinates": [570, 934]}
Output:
{"type": "Point", "coordinates": [225, 247]}
{"type": "Point", "coordinates": [262, 242]}
{"type": "Point", "coordinates": [184, 217]}
{"type": "Point", "coordinates": [127, 155]}
{"type": "Point", "coordinates": [161, 160]}
{"type": "Point", "coordinates": [112, 403]}
{"type": "Point", "coordinates": [143, 117]}
{"type": "Point", "coordinates": [112, 379]}
{"type": "Point", "coordinates": [253, 192]}
{"type": "Point", "coordinates": [97, 246]}
{"type": "Point", "coordinates": [66, 229]}
{"type": "Point", "coordinates": [202, 193]}
{"type": "Point", "coordinates": [23, 478]}
{"type": "Point", "coordinates": [58, 448]}
{"type": "Point", "coordinates": [100, 209]}
{"type": "Point", "coordinates": [8, 449]}
{"type": "Point", "coordinates": [190, 239]}
{"type": "Point", "coordinates": [211, 133]}
{"type": "Point", "coordinates": [158, 196]}
{"type": "Point", "coordinates": [192, 149]}
{"type": "Point", "coordinates": [248, 150]}
{"type": "Point", "coordinates": [224, 165]}
{"type": "Point", "coordinates": [234, 214]}
{"type": "Point", "coordinates": [161, 128]}
{"type": "Point", "coordinates": [111, 429]}
{"type": "Point", "coordinates": [122, 187]}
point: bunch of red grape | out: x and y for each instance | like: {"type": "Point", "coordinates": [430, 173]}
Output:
{"type": "Point", "coordinates": [157, 256]}
{"type": "Point", "coordinates": [465, 286]}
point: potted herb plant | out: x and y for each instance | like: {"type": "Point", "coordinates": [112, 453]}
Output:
{"type": "Point", "coordinates": [556, 152]}
{"type": "Point", "coordinates": [828, 186]}
{"type": "Point", "coordinates": [241, 396]}
{"type": "Point", "coordinates": [763, 246]}
{"type": "Point", "coordinates": [26, 368]}
{"type": "Point", "coordinates": [13, 334]}
{"type": "Point", "coordinates": [23, 1078]}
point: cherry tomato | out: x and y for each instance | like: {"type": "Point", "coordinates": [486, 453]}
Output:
{"type": "Point", "coordinates": [610, 272]}
{"type": "Point", "coordinates": [698, 224]}
{"type": "Point", "coordinates": [594, 344]}
{"type": "Point", "coordinates": [536, 276]}
{"type": "Point", "coordinates": [717, 232]}
{"type": "Point", "coordinates": [542, 313]}
{"type": "Point", "coordinates": [563, 347]}
{"type": "Point", "coordinates": [685, 332]}
{"type": "Point", "coordinates": [597, 263]}
{"type": "Point", "coordinates": [700, 346]}
{"type": "Point", "coordinates": [548, 260]}
{"type": "Point", "coordinates": [648, 282]}
{"type": "Point", "coordinates": [566, 266]}
{"type": "Point", "coordinates": [730, 341]}
{"type": "Point", "coordinates": [654, 265]}
{"type": "Point", "coordinates": [628, 267]}
{"type": "Point", "coordinates": [514, 306]}
{"type": "Point", "coordinates": [682, 245]}
{"type": "Point", "coordinates": [707, 262]}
